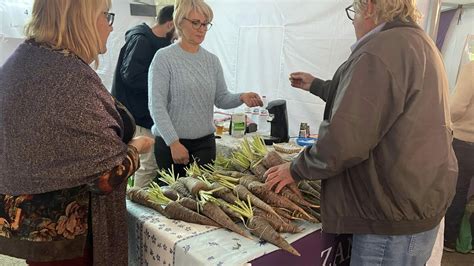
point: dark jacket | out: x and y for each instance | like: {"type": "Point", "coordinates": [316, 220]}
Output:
{"type": "Point", "coordinates": [384, 150]}
{"type": "Point", "coordinates": [130, 84]}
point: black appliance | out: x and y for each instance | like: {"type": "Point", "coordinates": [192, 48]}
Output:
{"type": "Point", "coordinates": [278, 118]}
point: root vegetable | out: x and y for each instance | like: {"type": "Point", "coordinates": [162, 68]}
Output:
{"type": "Point", "coordinates": [272, 198]}
{"type": "Point", "coordinates": [181, 189]}
{"type": "Point", "coordinates": [175, 210]}
{"type": "Point", "coordinates": [285, 214]}
{"type": "Point", "coordinates": [230, 173]}
{"type": "Point", "coordinates": [308, 189]}
{"type": "Point", "coordinates": [235, 216]}
{"type": "Point", "coordinates": [213, 211]}
{"type": "Point", "coordinates": [194, 185]}
{"type": "Point", "coordinates": [316, 184]}
{"type": "Point", "coordinates": [314, 213]}
{"type": "Point", "coordinates": [242, 193]}
{"type": "Point", "coordinates": [170, 193]}
{"type": "Point", "coordinates": [272, 159]}
{"type": "Point", "coordinates": [259, 170]}
{"type": "Point", "coordinates": [247, 179]}
{"type": "Point", "coordinates": [278, 223]}
{"type": "Point", "coordinates": [287, 193]}
{"type": "Point", "coordinates": [141, 196]}
{"type": "Point", "coordinates": [262, 229]}
{"type": "Point", "coordinates": [223, 193]}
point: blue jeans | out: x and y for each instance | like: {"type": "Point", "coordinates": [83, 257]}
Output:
{"type": "Point", "coordinates": [396, 250]}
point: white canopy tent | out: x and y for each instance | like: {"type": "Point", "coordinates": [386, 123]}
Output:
{"type": "Point", "coordinates": [259, 42]}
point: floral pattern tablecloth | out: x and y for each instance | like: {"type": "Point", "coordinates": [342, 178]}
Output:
{"type": "Point", "coordinates": [156, 240]}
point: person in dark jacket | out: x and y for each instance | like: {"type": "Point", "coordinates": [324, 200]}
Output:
{"type": "Point", "coordinates": [130, 84]}
{"type": "Point", "coordinates": [384, 152]}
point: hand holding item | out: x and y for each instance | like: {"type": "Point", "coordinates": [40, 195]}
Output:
{"type": "Point", "coordinates": [143, 144]}
{"type": "Point", "coordinates": [301, 80]}
{"type": "Point", "coordinates": [280, 176]}
{"type": "Point", "coordinates": [251, 99]}
{"type": "Point", "coordinates": [179, 153]}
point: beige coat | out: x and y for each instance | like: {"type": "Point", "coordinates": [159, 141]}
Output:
{"type": "Point", "coordinates": [462, 104]}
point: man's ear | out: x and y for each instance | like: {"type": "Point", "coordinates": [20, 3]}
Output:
{"type": "Point", "coordinates": [369, 10]}
{"type": "Point", "coordinates": [170, 25]}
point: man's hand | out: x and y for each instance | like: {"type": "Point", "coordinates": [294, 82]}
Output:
{"type": "Point", "coordinates": [251, 99]}
{"type": "Point", "coordinates": [280, 176]}
{"type": "Point", "coordinates": [301, 80]}
{"type": "Point", "coordinates": [179, 153]}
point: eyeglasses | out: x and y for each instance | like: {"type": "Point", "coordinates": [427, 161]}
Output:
{"type": "Point", "coordinates": [196, 24]}
{"type": "Point", "coordinates": [350, 12]}
{"type": "Point", "coordinates": [110, 17]}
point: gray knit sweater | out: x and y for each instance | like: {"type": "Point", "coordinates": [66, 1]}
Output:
{"type": "Point", "coordinates": [183, 89]}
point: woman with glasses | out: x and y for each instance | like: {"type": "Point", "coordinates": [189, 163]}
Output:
{"type": "Point", "coordinates": [185, 82]}
{"type": "Point", "coordinates": [64, 158]}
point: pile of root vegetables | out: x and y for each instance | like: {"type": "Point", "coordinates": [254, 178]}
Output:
{"type": "Point", "coordinates": [232, 191]}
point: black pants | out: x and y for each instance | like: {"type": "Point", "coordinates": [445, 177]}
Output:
{"type": "Point", "coordinates": [465, 155]}
{"type": "Point", "coordinates": [203, 150]}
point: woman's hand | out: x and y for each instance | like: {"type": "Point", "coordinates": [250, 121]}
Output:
{"type": "Point", "coordinates": [251, 99]}
{"type": "Point", "coordinates": [143, 144]}
{"type": "Point", "coordinates": [301, 80]}
{"type": "Point", "coordinates": [179, 153]}
{"type": "Point", "coordinates": [279, 176]}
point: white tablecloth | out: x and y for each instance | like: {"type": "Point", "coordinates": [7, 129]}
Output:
{"type": "Point", "coordinates": [156, 240]}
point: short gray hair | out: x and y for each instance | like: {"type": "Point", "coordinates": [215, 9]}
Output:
{"type": "Point", "coordinates": [388, 10]}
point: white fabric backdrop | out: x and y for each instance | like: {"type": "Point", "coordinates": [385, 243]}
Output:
{"type": "Point", "coordinates": [455, 41]}
{"type": "Point", "coordinates": [259, 42]}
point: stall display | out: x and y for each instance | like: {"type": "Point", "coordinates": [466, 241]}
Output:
{"type": "Point", "coordinates": [217, 195]}
{"type": "Point", "coordinates": [254, 230]}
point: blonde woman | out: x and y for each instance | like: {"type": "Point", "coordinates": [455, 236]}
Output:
{"type": "Point", "coordinates": [384, 152]}
{"type": "Point", "coordinates": [185, 82]}
{"type": "Point", "coordinates": [64, 158]}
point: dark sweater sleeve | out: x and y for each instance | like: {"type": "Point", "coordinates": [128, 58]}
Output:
{"type": "Point", "coordinates": [320, 88]}
{"type": "Point", "coordinates": [367, 103]}
{"type": "Point", "coordinates": [107, 181]}
{"type": "Point", "coordinates": [135, 64]}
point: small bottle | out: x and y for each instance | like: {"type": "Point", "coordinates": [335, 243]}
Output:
{"type": "Point", "coordinates": [255, 116]}
{"type": "Point", "coordinates": [263, 124]}
{"type": "Point", "coordinates": [265, 101]}
{"type": "Point", "coordinates": [303, 130]}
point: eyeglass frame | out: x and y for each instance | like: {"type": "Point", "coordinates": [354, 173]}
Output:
{"type": "Point", "coordinates": [110, 17]}
{"type": "Point", "coordinates": [350, 9]}
{"type": "Point", "coordinates": [197, 24]}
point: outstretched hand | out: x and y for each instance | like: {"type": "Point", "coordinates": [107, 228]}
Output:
{"type": "Point", "coordinates": [280, 176]}
{"type": "Point", "coordinates": [251, 99]}
{"type": "Point", "coordinates": [301, 80]}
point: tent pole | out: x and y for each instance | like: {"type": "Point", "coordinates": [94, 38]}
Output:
{"type": "Point", "coordinates": [433, 15]}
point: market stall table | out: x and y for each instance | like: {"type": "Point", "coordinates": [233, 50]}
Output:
{"type": "Point", "coordinates": [156, 240]}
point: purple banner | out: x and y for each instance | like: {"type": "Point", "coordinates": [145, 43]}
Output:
{"type": "Point", "coordinates": [317, 249]}
{"type": "Point", "coordinates": [444, 22]}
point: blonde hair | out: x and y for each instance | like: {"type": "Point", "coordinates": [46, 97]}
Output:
{"type": "Point", "coordinates": [182, 8]}
{"type": "Point", "coordinates": [68, 24]}
{"type": "Point", "coordinates": [388, 10]}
